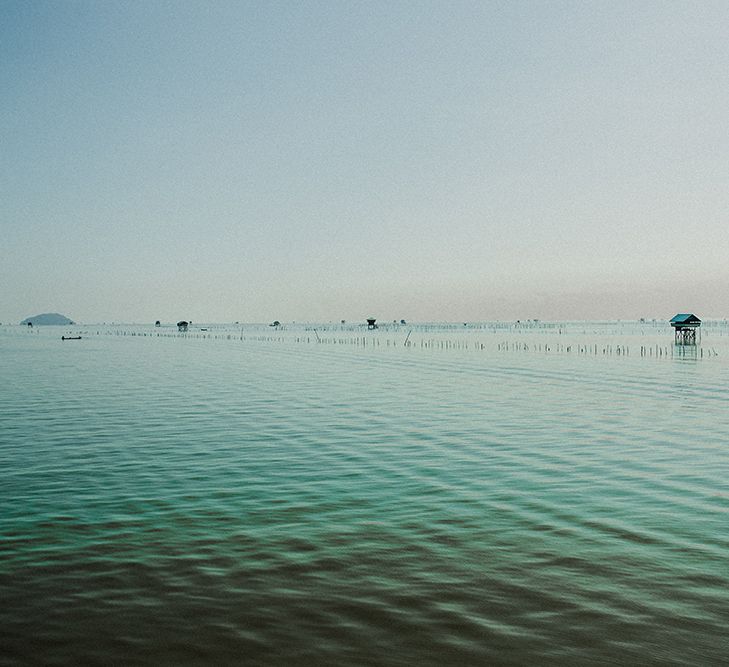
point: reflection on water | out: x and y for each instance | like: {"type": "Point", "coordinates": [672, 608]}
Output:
{"type": "Point", "coordinates": [191, 500]}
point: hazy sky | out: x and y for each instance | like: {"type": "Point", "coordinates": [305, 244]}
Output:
{"type": "Point", "coordinates": [324, 160]}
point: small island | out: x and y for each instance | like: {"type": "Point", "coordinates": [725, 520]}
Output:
{"type": "Point", "coordinates": [47, 318]}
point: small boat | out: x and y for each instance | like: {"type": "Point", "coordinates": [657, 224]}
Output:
{"type": "Point", "coordinates": [70, 337]}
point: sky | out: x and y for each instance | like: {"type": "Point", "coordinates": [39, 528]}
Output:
{"type": "Point", "coordinates": [318, 161]}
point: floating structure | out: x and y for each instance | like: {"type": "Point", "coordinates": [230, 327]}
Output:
{"type": "Point", "coordinates": [182, 325]}
{"type": "Point", "coordinates": [371, 323]}
{"type": "Point", "coordinates": [687, 329]}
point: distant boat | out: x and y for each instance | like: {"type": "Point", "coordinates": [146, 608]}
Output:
{"type": "Point", "coordinates": [70, 337]}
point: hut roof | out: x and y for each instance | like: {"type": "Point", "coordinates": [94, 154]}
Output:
{"type": "Point", "coordinates": [684, 319]}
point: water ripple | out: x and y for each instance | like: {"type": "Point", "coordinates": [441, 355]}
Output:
{"type": "Point", "coordinates": [197, 501]}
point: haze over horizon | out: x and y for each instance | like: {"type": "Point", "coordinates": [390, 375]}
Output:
{"type": "Point", "coordinates": [324, 161]}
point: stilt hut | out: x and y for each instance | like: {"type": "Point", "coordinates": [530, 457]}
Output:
{"type": "Point", "coordinates": [686, 328]}
{"type": "Point", "coordinates": [371, 323]}
{"type": "Point", "coordinates": [182, 325]}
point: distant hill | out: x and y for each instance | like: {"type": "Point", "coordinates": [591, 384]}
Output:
{"type": "Point", "coordinates": [47, 318]}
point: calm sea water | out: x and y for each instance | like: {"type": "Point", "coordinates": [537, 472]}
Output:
{"type": "Point", "coordinates": [188, 500]}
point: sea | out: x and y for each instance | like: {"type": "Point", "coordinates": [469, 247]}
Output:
{"type": "Point", "coordinates": [504, 493]}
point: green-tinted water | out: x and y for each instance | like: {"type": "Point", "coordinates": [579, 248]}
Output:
{"type": "Point", "coordinates": [195, 500]}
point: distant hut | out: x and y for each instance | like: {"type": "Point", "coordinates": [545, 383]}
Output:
{"type": "Point", "coordinates": [686, 328]}
{"type": "Point", "coordinates": [30, 324]}
{"type": "Point", "coordinates": [182, 325]}
{"type": "Point", "coordinates": [158, 323]}
{"type": "Point", "coordinates": [371, 323]}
